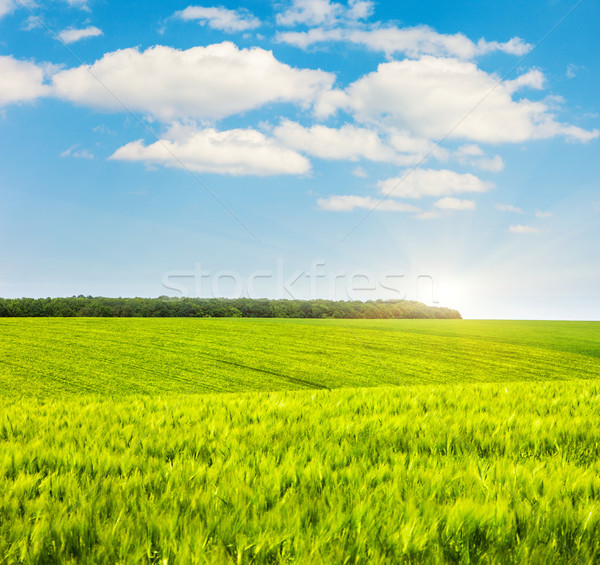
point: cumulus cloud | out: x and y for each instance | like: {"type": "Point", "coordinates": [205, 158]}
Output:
{"type": "Point", "coordinates": [318, 12]}
{"type": "Point", "coordinates": [71, 35]}
{"type": "Point", "coordinates": [436, 97]}
{"type": "Point", "coordinates": [348, 203]}
{"type": "Point", "coordinates": [493, 164]}
{"type": "Point", "coordinates": [411, 41]}
{"type": "Point", "coordinates": [419, 147]}
{"type": "Point", "coordinates": [20, 81]}
{"type": "Point", "coordinates": [430, 182]}
{"type": "Point", "coordinates": [521, 229]}
{"type": "Point", "coordinates": [352, 143]}
{"type": "Point", "coordinates": [199, 83]}
{"type": "Point", "coordinates": [531, 79]}
{"type": "Point", "coordinates": [421, 183]}
{"type": "Point", "coordinates": [509, 208]}
{"type": "Point", "coordinates": [474, 156]}
{"type": "Point", "coordinates": [220, 18]}
{"type": "Point", "coordinates": [348, 142]}
{"type": "Point", "coordinates": [310, 12]}
{"type": "Point", "coordinates": [451, 203]}
{"type": "Point", "coordinates": [540, 214]}
{"type": "Point", "coordinates": [234, 152]}
{"type": "Point", "coordinates": [304, 39]}
{"type": "Point", "coordinates": [514, 46]}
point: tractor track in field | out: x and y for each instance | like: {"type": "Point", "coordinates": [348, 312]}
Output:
{"type": "Point", "coordinates": [122, 362]}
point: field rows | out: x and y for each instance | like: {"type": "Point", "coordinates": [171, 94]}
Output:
{"type": "Point", "coordinates": [130, 356]}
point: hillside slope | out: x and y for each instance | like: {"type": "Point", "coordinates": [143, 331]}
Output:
{"type": "Point", "coordinates": [57, 357]}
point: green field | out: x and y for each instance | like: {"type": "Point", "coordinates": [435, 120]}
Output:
{"type": "Point", "coordinates": [56, 357]}
{"type": "Point", "coordinates": [413, 440]}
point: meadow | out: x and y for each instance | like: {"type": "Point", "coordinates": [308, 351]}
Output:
{"type": "Point", "coordinates": [58, 357]}
{"type": "Point", "coordinates": [299, 441]}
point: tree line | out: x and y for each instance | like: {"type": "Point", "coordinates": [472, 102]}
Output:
{"type": "Point", "coordinates": [174, 307]}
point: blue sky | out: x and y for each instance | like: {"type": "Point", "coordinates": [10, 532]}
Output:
{"type": "Point", "coordinates": [440, 151]}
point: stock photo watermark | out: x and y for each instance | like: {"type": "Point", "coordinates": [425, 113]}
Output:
{"type": "Point", "coordinates": [313, 283]}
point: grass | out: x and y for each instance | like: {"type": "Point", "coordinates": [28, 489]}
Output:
{"type": "Point", "coordinates": [58, 357]}
{"type": "Point", "coordinates": [114, 450]}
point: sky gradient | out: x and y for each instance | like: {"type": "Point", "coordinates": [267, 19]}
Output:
{"type": "Point", "coordinates": [440, 151]}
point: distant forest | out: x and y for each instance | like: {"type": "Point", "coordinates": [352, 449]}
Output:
{"type": "Point", "coordinates": [168, 307]}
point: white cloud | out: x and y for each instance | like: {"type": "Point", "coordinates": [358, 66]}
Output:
{"type": "Point", "coordinates": [521, 229]}
{"type": "Point", "coordinates": [420, 148]}
{"type": "Point", "coordinates": [81, 4]}
{"type": "Point", "coordinates": [469, 151]}
{"type": "Point", "coordinates": [474, 156]}
{"type": "Point", "coordinates": [434, 98]}
{"type": "Point", "coordinates": [429, 215]}
{"type": "Point", "coordinates": [493, 164]}
{"type": "Point", "coordinates": [103, 128]}
{"type": "Point", "coordinates": [573, 70]}
{"type": "Point", "coordinates": [540, 214]}
{"type": "Point", "coordinates": [349, 203]}
{"type": "Point", "coordinates": [30, 23]}
{"type": "Point", "coordinates": [310, 12]}
{"type": "Point", "coordinates": [411, 41]}
{"type": "Point", "coordinates": [360, 173]}
{"type": "Point", "coordinates": [6, 7]}
{"type": "Point", "coordinates": [531, 79]}
{"type": "Point", "coordinates": [429, 182]}
{"type": "Point", "coordinates": [200, 83]}
{"type": "Point", "coordinates": [20, 81]}
{"type": "Point", "coordinates": [416, 184]}
{"type": "Point", "coordinates": [514, 46]}
{"type": "Point", "coordinates": [220, 18]}
{"type": "Point", "coordinates": [71, 35]}
{"type": "Point", "coordinates": [78, 154]}
{"type": "Point", "coordinates": [508, 208]}
{"type": "Point", "coordinates": [359, 9]}
{"type": "Point", "coordinates": [451, 203]}
{"type": "Point", "coordinates": [304, 39]}
{"type": "Point", "coordinates": [318, 12]}
{"type": "Point", "coordinates": [350, 142]}
{"type": "Point", "coordinates": [234, 152]}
